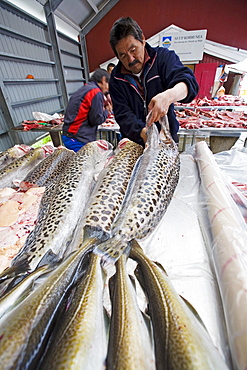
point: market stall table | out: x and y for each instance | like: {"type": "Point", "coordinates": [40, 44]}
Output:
{"type": "Point", "coordinates": [54, 132]}
{"type": "Point", "coordinates": [108, 133]}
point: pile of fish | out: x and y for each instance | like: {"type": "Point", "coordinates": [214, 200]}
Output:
{"type": "Point", "coordinates": [149, 193]}
{"type": "Point", "coordinates": [82, 222]}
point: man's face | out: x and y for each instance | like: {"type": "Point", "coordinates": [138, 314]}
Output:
{"type": "Point", "coordinates": [131, 53]}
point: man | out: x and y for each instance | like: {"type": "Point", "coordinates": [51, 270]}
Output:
{"type": "Point", "coordinates": [110, 67]}
{"type": "Point", "coordinates": [87, 109]}
{"type": "Point", "coordinates": [146, 79]}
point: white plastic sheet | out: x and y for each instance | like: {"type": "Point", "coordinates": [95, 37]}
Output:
{"type": "Point", "coordinates": [228, 251]}
{"type": "Point", "coordinates": [178, 244]}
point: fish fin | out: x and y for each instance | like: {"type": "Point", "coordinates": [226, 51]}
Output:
{"type": "Point", "coordinates": [20, 268]}
{"type": "Point", "coordinates": [49, 258]}
{"type": "Point", "coordinates": [160, 266]}
{"type": "Point", "coordinates": [15, 281]}
{"type": "Point", "coordinates": [193, 311]}
{"type": "Point", "coordinates": [111, 284]}
{"type": "Point", "coordinates": [133, 282]}
{"type": "Point", "coordinates": [111, 250]}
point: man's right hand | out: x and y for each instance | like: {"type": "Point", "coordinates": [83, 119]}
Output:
{"type": "Point", "coordinates": [143, 134]}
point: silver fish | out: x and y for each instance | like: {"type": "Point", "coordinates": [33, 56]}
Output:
{"type": "Point", "coordinates": [19, 292]}
{"type": "Point", "coordinates": [130, 345]}
{"type": "Point", "coordinates": [25, 330]}
{"type": "Point", "coordinates": [181, 341]}
{"type": "Point", "coordinates": [64, 204]}
{"type": "Point", "coordinates": [20, 167]}
{"type": "Point", "coordinates": [149, 193]}
{"type": "Point", "coordinates": [110, 189]}
{"type": "Point", "coordinates": [13, 153]}
{"type": "Point", "coordinates": [80, 340]}
{"type": "Point", "coordinates": [48, 170]}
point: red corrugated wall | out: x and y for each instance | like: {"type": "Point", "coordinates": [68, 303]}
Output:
{"type": "Point", "coordinates": [225, 21]}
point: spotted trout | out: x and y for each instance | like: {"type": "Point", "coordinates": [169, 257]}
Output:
{"type": "Point", "coordinates": [48, 170]}
{"type": "Point", "coordinates": [110, 189]}
{"type": "Point", "coordinates": [25, 330]}
{"type": "Point", "coordinates": [80, 339]}
{"type": "Point", "coordinates": [13, 153]}
{"type": "Point", "coordinates": [181, 341]}
{"type": "Point", "coordinates": [129, 344]}
{"type": "Point", "coordinates": [20, 167]}
{"type": "Point", "coordinates": [148, 195]}
{"type": "Point", "coordinates": [63, 205]}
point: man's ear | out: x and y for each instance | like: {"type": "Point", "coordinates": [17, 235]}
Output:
{"type": "Point", "coordinates": [143, 38]}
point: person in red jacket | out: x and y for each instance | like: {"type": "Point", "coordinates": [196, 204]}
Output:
{"type": "Point", "coordinates": [87, 109]}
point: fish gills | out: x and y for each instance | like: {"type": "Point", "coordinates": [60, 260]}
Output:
{"type": "Point", "coordinates": [129, 344]}
{"type": "Point", "coordinates": [180, 340]}
{"type": "Point", "coordinates": [110, 190]}
{"type": "Point", "coordinates": [81, 339]}
{"type": "Point", "coordinates": [149, 193]}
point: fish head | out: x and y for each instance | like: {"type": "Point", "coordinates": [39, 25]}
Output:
{"type": "Point", "coordinates": [102, 151]}
{"type": "Point", "coordinates": [48, 149]}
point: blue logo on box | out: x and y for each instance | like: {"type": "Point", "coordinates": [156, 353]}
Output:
{"type": "Point", "coordinates": [166, 41]}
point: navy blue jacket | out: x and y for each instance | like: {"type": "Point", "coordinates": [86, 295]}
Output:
{"type": "Point", "coordinates": [163, 71]}
{"type": "Point", "coordinates": [84, 113]}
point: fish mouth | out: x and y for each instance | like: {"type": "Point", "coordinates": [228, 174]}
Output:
{"type": "Point", "coordinates": [103, 144]}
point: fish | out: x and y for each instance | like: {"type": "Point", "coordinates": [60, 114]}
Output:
{"type": "Point", "coordinates": [20, 291]}
{"type": "Point", "coordinates": [48, 170]}
{"type": "Point", "coordinates": [80, 340]}
{"type": "Point", "coordinates": [110, 189]}
{"type": "Point", "coordinates": [26, 329]}
{"type": "Point", "coordinates": [13, 153]}
{"type": "Point", "coordinates": [19, 168]}
{"type": "Point", "coordinates": [63, 204]}
{"type": "Point", "coordinates": [181, 341]}
{"type": "Point", "coordinates": [150, 190]}
{"type": "Point", "coordinates": [130, 344]}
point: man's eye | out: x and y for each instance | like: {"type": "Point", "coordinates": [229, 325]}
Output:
{"type": "Point", "coordinates": [133, 50]}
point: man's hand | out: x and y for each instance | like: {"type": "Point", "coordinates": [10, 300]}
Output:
{"type": "Point", "coordinates": [143, 135]}
{"type": "Point", "coordinates": [160, 103]}
{"type": "Point", "coordinates": [108, 107]}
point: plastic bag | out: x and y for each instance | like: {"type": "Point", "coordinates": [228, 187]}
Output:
{"type": "Point", "coordinates": [44, 116]}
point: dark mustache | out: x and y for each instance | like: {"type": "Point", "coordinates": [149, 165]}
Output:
{"type": "Point", "coordinates": [132, 64]}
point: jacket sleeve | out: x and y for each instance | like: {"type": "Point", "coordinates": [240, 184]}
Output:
{"type": "Point", "coordinates": [172, 71]}
{"type": "Point", "coordinates": [130, 125]}
{"type": "Point", "coordinates": [97, 114]}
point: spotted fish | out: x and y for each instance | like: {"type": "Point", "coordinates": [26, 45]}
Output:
{"type": "Point", "coordinates": [80, 339]}
{"type": "Point", "coordinates": [149, 193]}
{"type": "Point", "coordinates": [181, 341]}
{"type": "Point", "coordinates": [64, 204]}
{"type": "Point", "coordinates": [20, 167]}
{"type": "Point", "coordinates": [48, 170]}
{"type": "Point", "coordinates": [129, 344]}
{"type": "Point", "coordinates": [13, 153]}
{"type": "Point", "coordinates": [110, 190]}
{"type": "Point", "coordinates": [24, 331]}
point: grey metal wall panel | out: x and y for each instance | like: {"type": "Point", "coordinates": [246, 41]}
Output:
{"type": "Point", "coordinates": [25, 48]}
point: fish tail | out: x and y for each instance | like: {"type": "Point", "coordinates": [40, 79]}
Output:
{"type": "Point", "coordinates": [111, 250]}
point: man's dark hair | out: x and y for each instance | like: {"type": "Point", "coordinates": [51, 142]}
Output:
{"type": "Point", "coordinates": [124, 27]}
{"type": "Point", "coordinates": [98, 74]}
{"type": "Point", "coordinates": [110, 65]}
